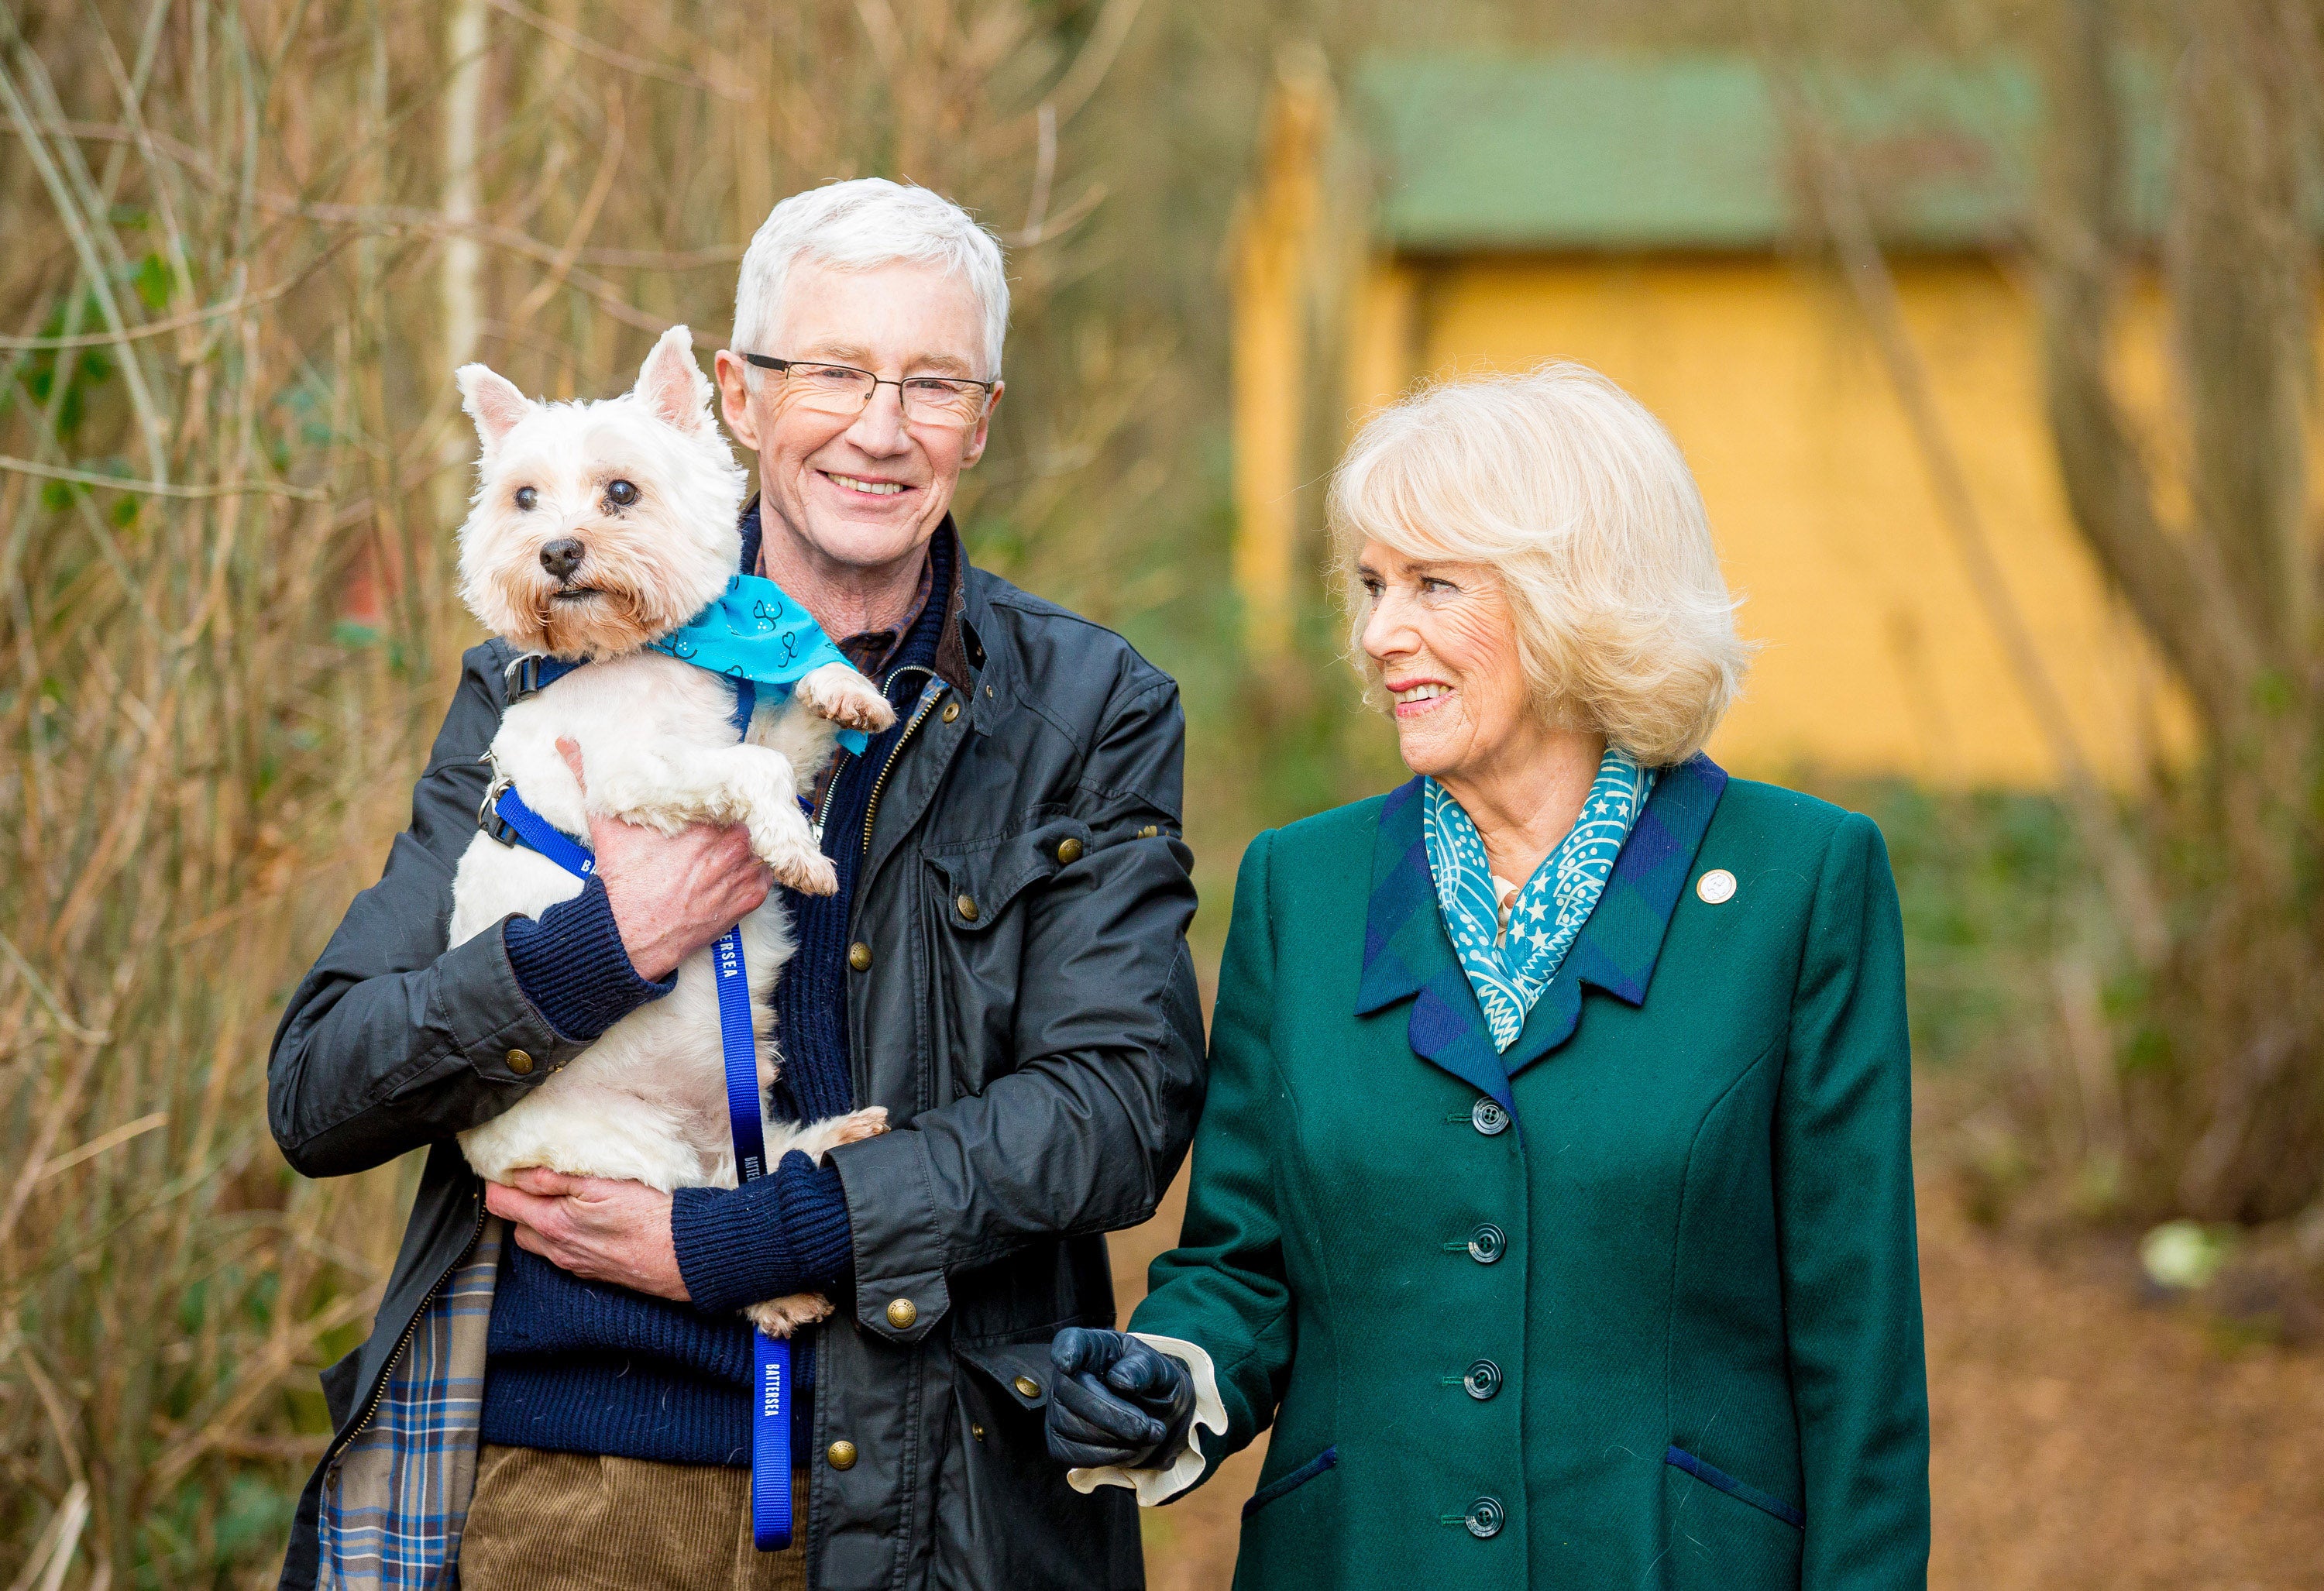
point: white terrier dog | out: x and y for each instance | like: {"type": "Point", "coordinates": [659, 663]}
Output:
{"type": "Point", "coordinates": [596, 530]}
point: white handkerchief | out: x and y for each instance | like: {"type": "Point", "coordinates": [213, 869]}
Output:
{"type": "Point", "coordinates": [1159, 1486]}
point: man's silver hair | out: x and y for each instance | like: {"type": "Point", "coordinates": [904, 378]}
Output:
{"type": "Point", "coordinates": [860, 225]}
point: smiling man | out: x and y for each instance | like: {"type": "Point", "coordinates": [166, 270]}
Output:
{"type": "Point", "coordinates": [556, 1391]}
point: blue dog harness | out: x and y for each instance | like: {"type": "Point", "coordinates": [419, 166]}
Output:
{"type": "Point", "coordinates": [507, 819]}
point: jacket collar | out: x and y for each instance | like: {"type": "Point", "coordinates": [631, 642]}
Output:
{"type": "Point", "coordinates": [1408, 954]}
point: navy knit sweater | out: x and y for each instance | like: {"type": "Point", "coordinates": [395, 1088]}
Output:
{"type": "Point", "coordinates": [578, 1366]}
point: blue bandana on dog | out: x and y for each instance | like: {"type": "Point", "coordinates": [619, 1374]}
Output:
{"type": "Point", "coordinates": [1549, 911]}
{"type": "Point", "coordinates": [753, 631]}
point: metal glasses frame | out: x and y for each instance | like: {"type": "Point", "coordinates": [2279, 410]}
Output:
{"type": "Point", "coordinates": [783, 367]}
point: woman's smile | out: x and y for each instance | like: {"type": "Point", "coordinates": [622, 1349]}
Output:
{"type": "Point", "coordinates": [1415, 698]}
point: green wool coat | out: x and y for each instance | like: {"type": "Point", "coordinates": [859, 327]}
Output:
{"type": "Point", "coordinates": [1635, 1305]}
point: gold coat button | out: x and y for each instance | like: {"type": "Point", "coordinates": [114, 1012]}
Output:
{"type": "Point", "coordinates": [1149, 831]}
{"type": "Point", "coordinates": [976, 1430]}
{"type": "Point", "coordinates": [1069, 850]}
{"type": "Point", "coordinates": [859, 956]}
{"type": "Point", "coordinates": [951, 712]}
{"type": "Point", "coordinates": [1028, 1387]}
{"type": "Point", "coordinates": [967, 905]}
{"type": "Point", "coordinates": [901, 1313]}
{"type": "Point", "coordinates": [1716, 888]}
{"type": "Point", "coordinates": [842, 1455]}
{"type": "Point", "coordinates": [519, 1063]}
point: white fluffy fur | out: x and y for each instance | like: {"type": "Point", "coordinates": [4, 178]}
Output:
{"type": "Point", "coordinates": [647, 1101]}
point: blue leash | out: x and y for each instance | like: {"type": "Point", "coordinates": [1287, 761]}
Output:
{"type": "Point", "coordinates": [770, 1401]}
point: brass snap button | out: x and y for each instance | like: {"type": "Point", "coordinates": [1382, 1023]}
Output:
{"type": "Point", "coordinates": [1482, 1381]}
{"type": "Point", "coordinates": [1026, 1387]}
{"type": "Point", "coordinates": [1487, 1242]}
{"type": "Point", "coordinates": [966, 905]}
{"type": "Point", "coordinates": [842, 1455]}
{"type": "Point", "coordinates": [951, 711]}
{"type": "Point", "coordinates": [1487, 1117]}
{"type": "Point", "coordinates": [1716, 888]}
{"type": "Point", "coordinates": [976, 1430]}
{"type": "Point", "coordinates": [859, 956]}
{"type": "Point", "coordinates": [1069, 850]}
{"type": "Point", "coordinates": [901, 1313]}
{"type": "Point", "coordinates": [519, 1063]}
{"type": "Point", "coordinates": [1149, 831]}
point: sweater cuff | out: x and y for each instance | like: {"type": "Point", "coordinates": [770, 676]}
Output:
{"type": "Point", "coordinates": [782, 1234]}
{"type": "Point", "coordinates": [573, 967]}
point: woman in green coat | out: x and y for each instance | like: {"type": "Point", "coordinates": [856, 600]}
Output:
{"type": "Point", "coordinates": [1553, 1199]}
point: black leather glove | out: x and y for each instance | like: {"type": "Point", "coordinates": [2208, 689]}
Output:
{"type": "Point", "coordinates": [1116, 1400]}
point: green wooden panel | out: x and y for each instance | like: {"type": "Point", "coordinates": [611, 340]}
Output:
{"type": "Point", "coordinates": [1625, 152]}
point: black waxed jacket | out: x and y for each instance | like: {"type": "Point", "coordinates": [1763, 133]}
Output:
{"type": "Point", "coordinates": [1039, 1053]}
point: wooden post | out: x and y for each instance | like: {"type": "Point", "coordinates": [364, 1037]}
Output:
{"type": "Point", "coordinates": [1383, 335]}
{"type": "Point", "coordinates": [1273, 248]}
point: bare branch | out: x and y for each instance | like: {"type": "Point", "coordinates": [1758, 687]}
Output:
{"type": "Point", "coordinates": [580, 44]}
{"type": "Point", "coordinates": [2129, 885]}
{"type": "Point", "coordinates": [25, 467]}
{"type": "Point", "coordinates": [2174, 585]}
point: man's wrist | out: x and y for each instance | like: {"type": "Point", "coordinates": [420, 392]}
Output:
{"type": "Point", "coordinates": [786, 1233]}
{"type": "Point", "coordinates": [571, 965]}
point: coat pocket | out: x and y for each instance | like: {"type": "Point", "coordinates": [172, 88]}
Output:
{"type": "Point", "coordinates": [981, 881]}
{"type": "Point", "coordinates": [1004, 1515]}
{"type": "Point", "coordinates": [1711, 1475]}
{"type": "Point", "coordinates": [1291, 1480]}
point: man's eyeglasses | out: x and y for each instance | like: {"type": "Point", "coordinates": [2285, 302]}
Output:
{"type": "Point", "coordinates": [841, 389]}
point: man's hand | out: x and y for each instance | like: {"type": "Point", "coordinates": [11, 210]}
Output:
{"type": "Point", "coordinates": [599, 1230]}
{"type": "Point", "coordinates": [674, 894]}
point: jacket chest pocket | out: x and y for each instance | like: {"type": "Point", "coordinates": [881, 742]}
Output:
{"type": "Point", "coordinates": [982, 906]}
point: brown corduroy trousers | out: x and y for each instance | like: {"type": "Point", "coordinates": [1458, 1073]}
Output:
{"type": "Point", "coordinates": [582, 1523]}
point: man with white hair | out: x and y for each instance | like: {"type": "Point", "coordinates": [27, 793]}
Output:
{"type": "Point", "coordinates": [557, 1391]}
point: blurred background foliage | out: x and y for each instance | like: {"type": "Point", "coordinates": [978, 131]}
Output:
{"type": "Point", "coordinates": [247, 241]}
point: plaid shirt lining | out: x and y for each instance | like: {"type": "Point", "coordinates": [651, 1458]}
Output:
{"type": "Point", "coordinates": [396, 1498]}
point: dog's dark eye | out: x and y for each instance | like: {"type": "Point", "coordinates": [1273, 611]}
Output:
{"type": "Point", "coordinates": [527, 498]}
{"type": "Point", "coordinates": [621, 494]}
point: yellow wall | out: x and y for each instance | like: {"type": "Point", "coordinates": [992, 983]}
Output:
{"type": "Point", "coordinates": [1878, 658]}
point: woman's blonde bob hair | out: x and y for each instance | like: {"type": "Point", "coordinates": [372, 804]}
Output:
{"type": "Point", "coordinates": [1581, 506]}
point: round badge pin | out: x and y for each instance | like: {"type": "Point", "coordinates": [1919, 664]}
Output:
{"type": "Point", "coordinates": [1716, 888]}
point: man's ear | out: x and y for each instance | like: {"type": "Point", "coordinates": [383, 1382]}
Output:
{"type": "Point", "coordinates": [734, 399]}
{"type": "Point", "coordinates": [492, 402]}
{"type": "Point", "coordinates": [672, 385]}
{"type": "Point", "coordinates": [983, 432]}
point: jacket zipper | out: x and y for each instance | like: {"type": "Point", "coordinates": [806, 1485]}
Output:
{"type": "Point", "coordinates": [410, 1329]}
{"type": "Point", "coordinates": [830, 789]}
{"type": "Point", "coordinates": [871, 807]}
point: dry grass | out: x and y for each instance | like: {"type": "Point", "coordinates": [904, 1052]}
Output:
{"type": "Point", "coordinates": [245, 251]}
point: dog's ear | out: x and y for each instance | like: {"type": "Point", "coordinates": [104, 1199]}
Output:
{"type": "Point", "coordinates": [492, 402]}
{"type": "Point", "coordinates": [672, 385]}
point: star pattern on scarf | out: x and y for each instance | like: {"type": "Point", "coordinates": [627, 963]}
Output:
{"type": "Point", "coordinates": [1509, 975]}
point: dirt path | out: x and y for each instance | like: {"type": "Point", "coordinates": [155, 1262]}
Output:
{"type": "Point", "coordinates": [2083, 1438]}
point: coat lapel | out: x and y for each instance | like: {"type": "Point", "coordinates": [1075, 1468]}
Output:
{"type": "Point", "coordinates": [1408, 954]}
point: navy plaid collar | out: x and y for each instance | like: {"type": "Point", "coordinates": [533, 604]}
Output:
{"type": "Point", "coordinates": [1409, 955]}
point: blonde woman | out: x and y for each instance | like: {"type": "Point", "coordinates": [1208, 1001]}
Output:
{"type": "Point", "coordinates": [1553, 1201]}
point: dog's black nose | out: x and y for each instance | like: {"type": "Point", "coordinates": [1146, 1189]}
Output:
{"type": "Point", "coordinates": [561, 557]}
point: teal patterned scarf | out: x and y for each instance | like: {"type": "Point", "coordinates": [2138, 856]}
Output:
{"type": "Point", "coordinates": [755, 631]}
{"type": "Point", "coordinates": [1549, 911]}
